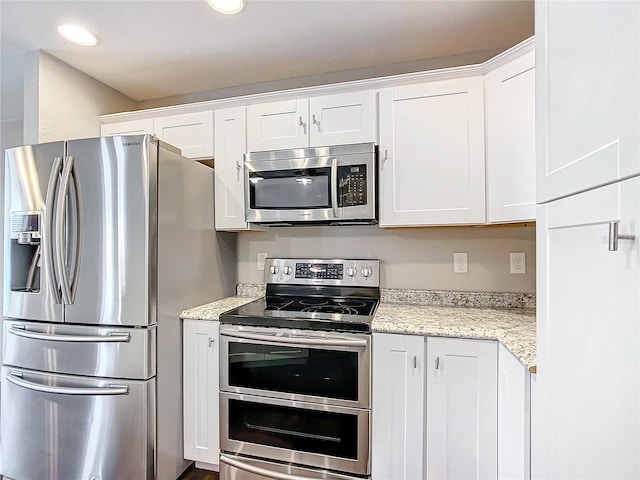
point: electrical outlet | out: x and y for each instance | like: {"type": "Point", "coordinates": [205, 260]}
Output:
{"type": "Point", "coordinates": [261, 257]}
{"type": "Point", "coordinates": [460, 262]}
{"type": "Point", "coordinates": [517, 263]}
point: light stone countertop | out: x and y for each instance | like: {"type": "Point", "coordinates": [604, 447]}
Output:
{"type": "Point", "coordinates": [515, 328]}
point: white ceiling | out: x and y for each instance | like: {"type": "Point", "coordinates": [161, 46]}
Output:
{"type": "Point", "coordinates": [153, 49]}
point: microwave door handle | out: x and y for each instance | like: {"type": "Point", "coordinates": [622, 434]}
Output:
{"type": "Point", "coordinates": [259, 471]}
{"type": "Point", "coordinates": [334, 187]}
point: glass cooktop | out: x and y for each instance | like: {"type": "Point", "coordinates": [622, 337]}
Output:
{"type": "Point", "coordinates": [306, 312]}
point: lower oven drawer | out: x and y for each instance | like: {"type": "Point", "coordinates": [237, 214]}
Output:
{"type": "Point", "coordinates": [233, 467]}
{"type": "Point", "coordinates": [316, 435]}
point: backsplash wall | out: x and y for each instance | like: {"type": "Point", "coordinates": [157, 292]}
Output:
{"type": "Point", "coordinates": [417, 258]}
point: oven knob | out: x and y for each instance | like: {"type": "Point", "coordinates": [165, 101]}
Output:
{"type": "Point", "coordinates": [273, 269]}
{"type": "Point", "coordinates": [366, 272]}
{"type": "Point", "coordinates": [352, 271]}
{"type": "Point", "coordinates": [287, 270]}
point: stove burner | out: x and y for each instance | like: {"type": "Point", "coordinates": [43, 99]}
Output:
{"type": "Point", "coordinates": [331, 309]}
{"type": "Point", "coordinates": [343, 302]}
{"type": "Point", "coordinates": [312, 302]}
{"type": "Point", "coordinates": [276, 303]}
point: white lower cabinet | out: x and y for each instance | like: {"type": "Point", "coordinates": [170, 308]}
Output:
{"type": "Point", "coordinates": [397, 407]}
{"type": "Point", "coordinates": [200, 391]}
{"type": "Point", "coordinates": [514, 419]}
{"type": "Point", "coordinates": [461, 411]}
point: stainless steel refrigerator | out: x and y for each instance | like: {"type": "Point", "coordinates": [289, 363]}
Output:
{"type": "Point", "coordinates": [106, 240]}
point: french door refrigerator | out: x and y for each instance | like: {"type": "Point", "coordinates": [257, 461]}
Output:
{"type": "Point", "coordinates": [106, 241]}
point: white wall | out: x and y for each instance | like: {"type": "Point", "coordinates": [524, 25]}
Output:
{"type": "Point", "coordinates": [61, 102]}
{"type": "Point", "coordinates": [420, 258]}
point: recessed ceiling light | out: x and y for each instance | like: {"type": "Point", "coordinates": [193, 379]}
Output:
{"type": "Point", "coordinates": [228, 7]}
{"type": "Point", "coordinates": [78, 35]}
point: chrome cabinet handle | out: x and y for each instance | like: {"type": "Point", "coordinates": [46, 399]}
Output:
{"type": "Point", "coordinates": [211, 342]}
{"type": "Point", "coordinates": [16, 379]}
{"type": "Point", "coordinates": [302, 124]}
{"type": "Point", "coordinates": [259, 471]}
{"type": "Point", "coordinates": [315, 122]}
{"type": "Point", "coordinates": [334, 187]}
{"type": "Point", "coordinates": [48, 236]}
{"type": "Point", "coordinates": [614, 236]}
{"type": "Point", "coordinates": [310, 341]}
{"type": "Point", "coordinates": [415, 362]}
{"type": "Point", "coordinates": [111, 337]}
{"type": "Point", "coordinates": [437, 363]}
{"type": "Point", "coordinates": [386, 154]}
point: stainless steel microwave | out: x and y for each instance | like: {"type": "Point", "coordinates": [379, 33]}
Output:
{"type": "Point", "coordinates": [324, 185]}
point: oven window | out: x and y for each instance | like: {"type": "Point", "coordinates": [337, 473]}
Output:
{"type": "Point", "coordinates": [320, 432]}
{"type": "Point", "coordinates": [290, 189]}
{"type": "Point", "coordinates": [305, 371]}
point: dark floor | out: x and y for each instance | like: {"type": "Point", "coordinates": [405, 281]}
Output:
{"type": "Point", "coordinates": [196, 474]}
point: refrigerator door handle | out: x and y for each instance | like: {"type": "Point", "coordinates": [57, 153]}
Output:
{"type": "Point", "coordinates": [77, 202]}
{"type": "Point", "coordinates": [48, 236]}
{"type": "Point", "coordinates": [15, 378]}
{"type": "Point", "coordinates": [111, 337]}
{"type": "Point", "coordinates": [61, 266]}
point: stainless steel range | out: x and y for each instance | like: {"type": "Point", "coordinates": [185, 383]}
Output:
{"type": "Point", "coordinates": [295, 373]}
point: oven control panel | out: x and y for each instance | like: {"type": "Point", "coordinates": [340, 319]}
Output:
{"type": "Point", "coordinates": [322, 271]}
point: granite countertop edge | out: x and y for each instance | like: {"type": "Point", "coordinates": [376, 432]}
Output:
{"type": "Point", "coordinates": [515, 328]}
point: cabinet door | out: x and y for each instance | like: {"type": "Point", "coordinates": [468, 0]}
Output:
{"type": "Point", "coordinates": [432, 153]}
{"type": "Point", "coordinates": [397, 409]}
{"type": "Point", "coordinates": [514, 454]}
{"type": "Point", "coordinates": [200, 386]}
{"type": "Point", "coordinates": [192, 133]}
{"type": "Point", "coordinates": [461, 409]}
{"type": "Point", "coordinates": [278, 125]}
{"type": "Point", "coordinates": [130, 127]}
{"type": "Point", "coordinates": [343, 119]}
{"type": "Point", "coordinates": [230, 142]}
{"type": "Point", "coordinates": [587, 415]}
{"type": "Point", "coordinates": [510, 133]}
{"type": "Point", "coordinates": [588, 100]}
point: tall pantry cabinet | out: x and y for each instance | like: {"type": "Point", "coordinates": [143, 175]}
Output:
{"type": "Point", "coordinates": [586, 414]}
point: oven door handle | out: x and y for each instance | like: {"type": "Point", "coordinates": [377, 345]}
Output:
{"type": "Point", "coordinates": [262, 472]}
{"type": "Point", "coordinates": [308, 341]}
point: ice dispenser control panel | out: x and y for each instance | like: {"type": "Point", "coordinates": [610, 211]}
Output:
{"type": "Point", "coordinates": [26, 227]}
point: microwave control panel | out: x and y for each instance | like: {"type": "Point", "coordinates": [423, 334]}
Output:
{"type": "Point", "coordinates": [352, 185]}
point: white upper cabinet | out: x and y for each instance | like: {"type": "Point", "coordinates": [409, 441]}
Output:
{"type": "Point", "coordinates": [432, 153]}
{"type": "Point", "coordinates": [588, 100]}
{"type": "Point", "coordinates": [129, 127]}
{"type": "Point", "coordinates": [278, 125]}
{"type": "Point", "coordinates": [461, 409]}
{"type": "Point", "coordinates": [230, 146]}
{"type": "Point", "coordinates": [192, 133]}
{"type": "Point", "coordinates": [318, 121]}
{"type": "Point", "coordinates": [510, 135]}
{"type": "Point", "coordinates": [343, 119]}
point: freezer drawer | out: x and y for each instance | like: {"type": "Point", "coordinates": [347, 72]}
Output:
{"type": "Point", "coordinates": [112, 352]}
{"type": "Point", "coordinates": [76, 427]}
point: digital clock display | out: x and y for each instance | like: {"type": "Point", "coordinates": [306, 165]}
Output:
{"type": "Point", "coordinates": [325, 271]}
